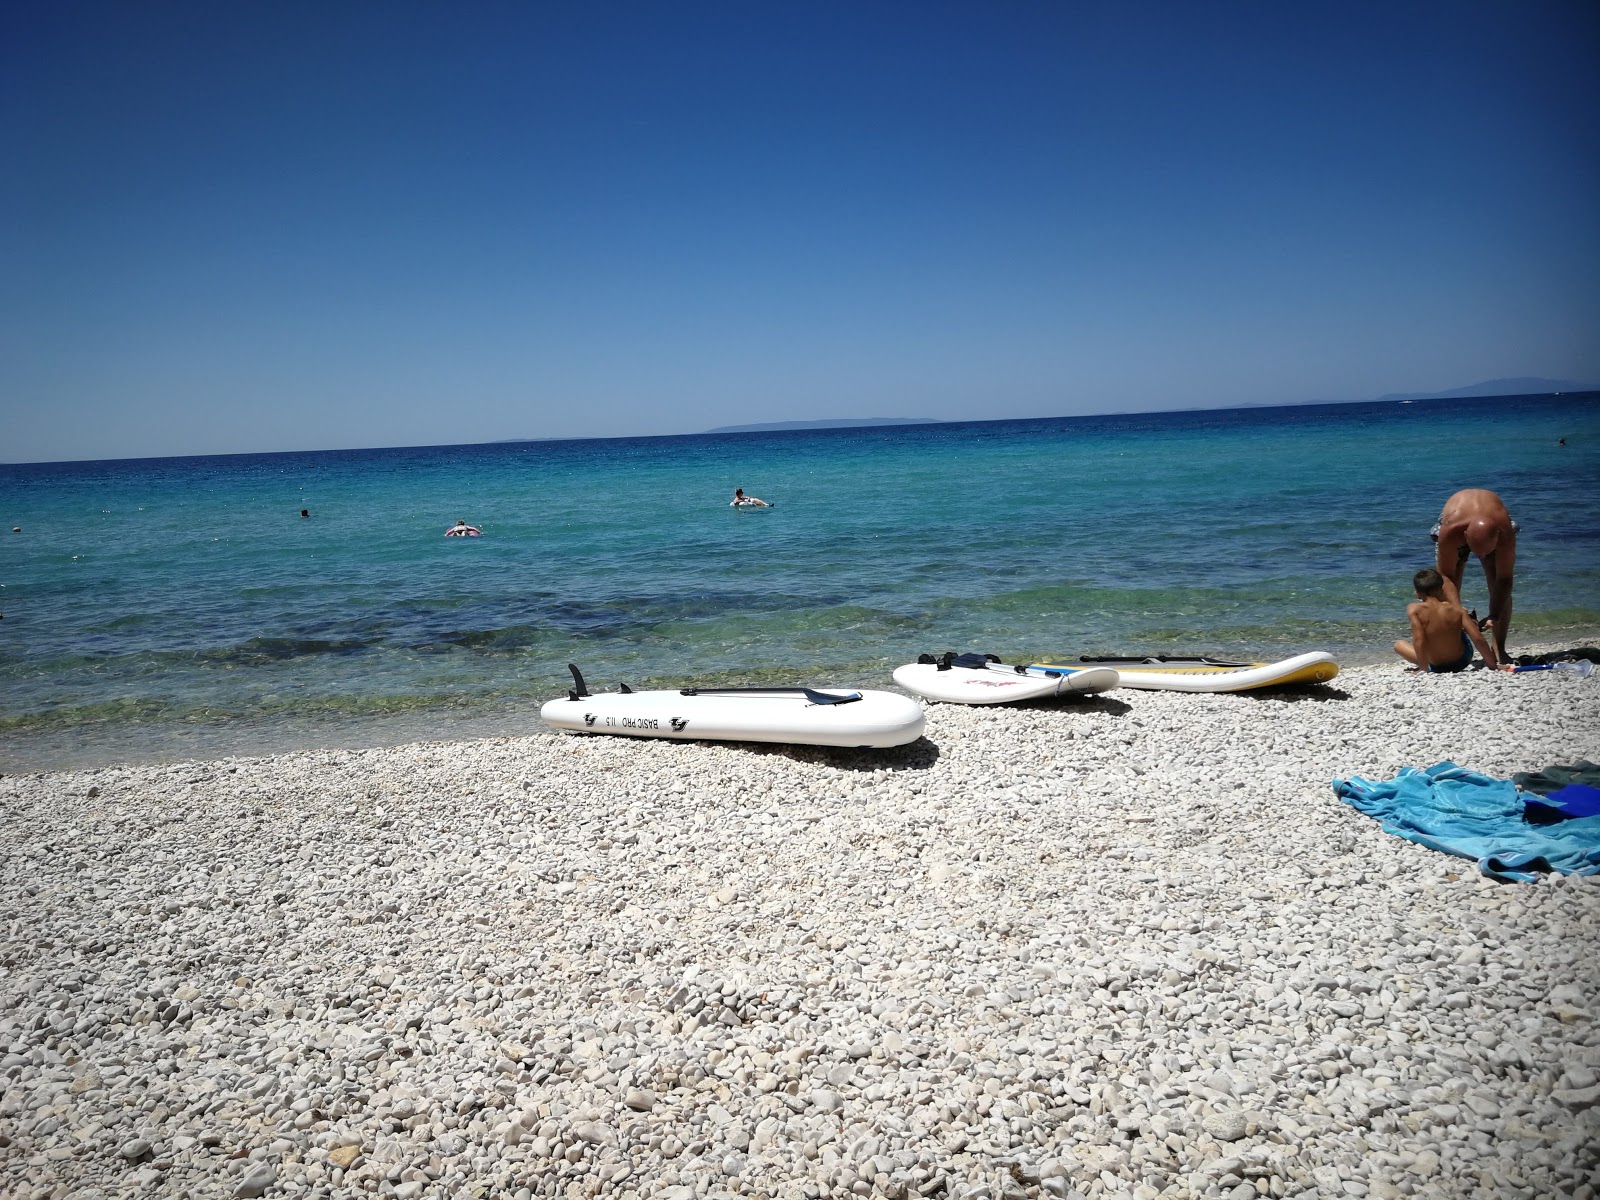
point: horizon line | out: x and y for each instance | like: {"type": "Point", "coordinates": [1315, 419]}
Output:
{"type": "Point", "coordinates": [889, 423]}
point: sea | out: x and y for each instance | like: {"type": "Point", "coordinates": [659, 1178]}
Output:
{"type": "Point", "coordinates": [176, 608]}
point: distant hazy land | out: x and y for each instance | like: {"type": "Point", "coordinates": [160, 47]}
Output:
{"type": "Point", "coordinates": [1524, 386]}
{"type": "Point", "coordinates": [1521, 386]}
{"type": "Point", "coordinates": [771, 426]}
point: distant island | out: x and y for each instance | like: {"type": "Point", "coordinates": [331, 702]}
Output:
{"type": "Point", "coordinates": [773, 426]}
{"type": "Point", "coordinates": [1525, 386]}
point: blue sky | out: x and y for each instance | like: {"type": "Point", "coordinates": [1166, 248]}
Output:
{"type": "Point", "coordinates": [306, 225]}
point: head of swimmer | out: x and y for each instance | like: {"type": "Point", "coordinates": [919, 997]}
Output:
{"type": "Point", "coordinates": [1482, 536]}
{"type": "Point", "coordinates": [738, 493]}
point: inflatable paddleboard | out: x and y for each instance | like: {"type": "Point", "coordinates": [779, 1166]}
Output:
{"type": "Point", "coordinates": [1164, 673]}
{"type": "Point", "coordinates": [793, 715]}
{"type": "Point", "coordinates": [984, 679]}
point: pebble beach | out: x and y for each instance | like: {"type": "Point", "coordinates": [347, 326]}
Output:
{"type": "Point", "coordinates": [1119, 946]}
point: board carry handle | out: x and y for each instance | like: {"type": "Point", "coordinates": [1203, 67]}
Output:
{"type": "Point", "coordinates": [814, 697]}
{"type": "Point", "coordinates": [1172, 659]}
{"type": "Point", "coordinates": [951, 659]}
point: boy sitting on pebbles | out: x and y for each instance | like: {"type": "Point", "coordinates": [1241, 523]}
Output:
{"type": "Point", "coordinates": [1442, 632]}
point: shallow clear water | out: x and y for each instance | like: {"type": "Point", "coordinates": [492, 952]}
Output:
{"type": "Point", "coordinates": [181, 606]}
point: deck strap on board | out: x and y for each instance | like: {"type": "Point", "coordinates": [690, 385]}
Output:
{"type": "Point", "coordinates": [815, 697]}
{"type": "Point", "coordinates": [1172, 660]}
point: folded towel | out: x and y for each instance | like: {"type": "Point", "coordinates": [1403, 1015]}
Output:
{"type": "Point", "coordinates": [1461, 812]}
{"type": "Point", "coordinates": [1551, 778]}
{"type": "Point", "coordinates": [1574, 800]}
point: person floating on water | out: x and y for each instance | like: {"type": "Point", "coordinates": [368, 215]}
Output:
{"type": "Point", "coordinates": [1442, 632]}
{"type": "Point", "coordinates": [462, 529]}
{"type": "Point", "coordinates": [1475, 521]}
{"type": "Point", "coordinates": [740, 500]}
{"type": "Point", "coordinates": [305, 512]}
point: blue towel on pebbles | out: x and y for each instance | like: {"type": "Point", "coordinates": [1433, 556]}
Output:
{"type": "Point", "coordinates": [1461, 812]}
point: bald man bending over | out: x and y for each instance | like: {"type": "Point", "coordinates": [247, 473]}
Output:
{"type": "Point", "coordinates": [1475, 521]}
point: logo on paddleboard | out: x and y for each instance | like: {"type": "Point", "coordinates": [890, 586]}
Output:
{"type": "Point", "coordinates": [588, 718]}
{"type": "Point", "coordinates": [677, 724]}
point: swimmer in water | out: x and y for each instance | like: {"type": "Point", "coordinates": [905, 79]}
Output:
{"type": "Point", "coordinates": [462, 529]}
{"type": "Point", "coordinates": [740, 500]}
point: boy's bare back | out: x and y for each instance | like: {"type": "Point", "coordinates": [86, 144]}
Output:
{"type": "Point", "coordinates": [1436, 629]}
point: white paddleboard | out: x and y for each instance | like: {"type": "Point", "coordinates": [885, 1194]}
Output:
{"type": "Point", "coordinates": [1197, 675]}
{"type": "Point", "coordinates": [998, 683]}
{"type": "Point", "coordinates": [794, 716]}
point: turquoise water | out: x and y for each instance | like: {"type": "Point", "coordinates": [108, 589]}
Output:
{"type": "Point", "coordinates": [180, 606]}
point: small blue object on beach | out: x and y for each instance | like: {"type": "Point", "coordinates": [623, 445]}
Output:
{"type": "Point", "coordinates": [1574, 800]}
{"type": "Point", "coordinates": [1582, 668]}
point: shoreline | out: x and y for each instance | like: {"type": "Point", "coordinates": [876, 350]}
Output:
{"type": "Point", "coordinates": [1121, 945]}
{"type": "Point", "coordinates": [148, 744]}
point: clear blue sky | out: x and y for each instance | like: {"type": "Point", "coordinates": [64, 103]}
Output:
{"type": "Point", "coordinates": [301, 225]}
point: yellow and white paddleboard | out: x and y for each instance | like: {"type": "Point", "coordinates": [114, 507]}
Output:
{"type": "Point", "coordinates": [1167, 674]}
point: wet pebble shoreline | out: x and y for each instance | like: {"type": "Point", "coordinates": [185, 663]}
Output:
{"type": "Point", "coordinates": [1128, 946]}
